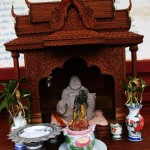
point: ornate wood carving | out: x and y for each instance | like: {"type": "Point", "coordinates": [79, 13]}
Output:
{"type": "Point", "coordinates": [109, 60]}
{"type": "Point", "coordinates": [77, 28]}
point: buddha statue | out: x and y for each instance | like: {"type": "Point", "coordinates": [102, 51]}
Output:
{"type": "Point", "coordinates": [64, 109]}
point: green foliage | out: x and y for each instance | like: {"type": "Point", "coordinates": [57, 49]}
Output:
{"type": "Point", "coordinates": [12, 98]}
{"type": "Point", "coordinates": [76, 148]}
{"type": "Point", "coordinates": [134, 89]}
{"type": "Point", "coordinates": [67, 139]}
{"type": "Point", "coordinates": [89, 147]}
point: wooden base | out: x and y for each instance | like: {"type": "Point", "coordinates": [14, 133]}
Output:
{"type": "Point", "coordinates": [120, 114]}
{"type": "Point", "coordinates": [36, 118]}
{"type": "Point", "coordinates": [102, 131]}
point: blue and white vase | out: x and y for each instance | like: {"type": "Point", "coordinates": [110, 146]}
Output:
{"type": "Point", "coordinates": [19, 121]}
{"type": "Point", "coordinates": [134, 122]}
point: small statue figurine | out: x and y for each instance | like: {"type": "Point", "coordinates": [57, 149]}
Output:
{"type": "Point", "coordinates": [65, 107]}
{"type": "Point", "coordinates": [80, 121]}
{"type": "Point", "coordinates": [77, 103]}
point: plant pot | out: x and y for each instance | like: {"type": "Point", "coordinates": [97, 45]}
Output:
{"type": "Point", "coordinates": [79, 140]}
{"type": "Point", "coordinates": [19, 121]}
{"type": "Point", "coordinates": [134, 122]}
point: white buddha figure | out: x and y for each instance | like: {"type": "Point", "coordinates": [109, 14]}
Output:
{"type": "Point", "coordinates": [65, 106]}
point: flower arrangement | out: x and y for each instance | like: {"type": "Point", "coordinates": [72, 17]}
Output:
{"type": "Point", "coordinates": [134, 89]}
{"type": "Point", "coordinates": [11, 98]}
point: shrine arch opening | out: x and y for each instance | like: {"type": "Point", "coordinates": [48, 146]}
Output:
{"type": "Point", "coordinates": [91, 77]}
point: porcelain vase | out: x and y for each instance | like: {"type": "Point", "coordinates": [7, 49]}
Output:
{"type": "Point", "coordinates": [19, 121]}
{"type": "Point", "coordinates": [134, 122]}
{"type": "Point", "coordinates": [79, 140]}
{"type": "Point", "coordinates": [116, 131]}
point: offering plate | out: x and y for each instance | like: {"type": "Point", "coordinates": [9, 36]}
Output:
{"type": "Point", "coordinates": [34, 135]}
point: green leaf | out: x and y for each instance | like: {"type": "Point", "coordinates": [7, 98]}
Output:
{"type": "Point", "coordinates": [126, 86]}
{"type": "Point", "coordinates": [129, 78]}
{"type": "Point", "coordinates": [67, 139]}
{"type": "Point", "coordinates": [2, 96]}
{"type": "Point", "coordinates": [27, 99]}
{"type": "Point", "coordinates": [28, 116]}
{"type": "Point", "coordinates": [143, 83]}
{"type": "Point", "coordinates": [12, 85]}
{"type": "Point", "coordinates": [25, 107]}
{"type": "Point", "coordinates": [4, 84]}
{"type": "Point", "coordinates": [11, 101]}
{"type": "Point", "coordinates": [76, 148]}
{"type": "Point", "coordinates": [3, 104]}
{"type": "Point", "coordinates": [10, 120]}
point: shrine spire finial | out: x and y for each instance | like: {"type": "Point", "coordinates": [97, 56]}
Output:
{"type": "Point", "coordinates": [27, 2]}
{"type": "Point", "coordinates": [12, 12]}
{"type": "Point", "coordinates": [64, 3]}
{"type": "Point", "coordinates": [130, 5]}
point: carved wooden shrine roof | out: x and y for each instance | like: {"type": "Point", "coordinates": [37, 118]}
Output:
{"type": "Point", "coordinates": [72, 22]}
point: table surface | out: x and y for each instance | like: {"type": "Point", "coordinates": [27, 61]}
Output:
{"type": "Point", "coordinates": [123, 144]}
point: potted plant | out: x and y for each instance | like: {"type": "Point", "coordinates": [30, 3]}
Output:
{"type": "Point", "coordinates": [134, 89]}
{"type": "Point", "coordinates": [13, 98]}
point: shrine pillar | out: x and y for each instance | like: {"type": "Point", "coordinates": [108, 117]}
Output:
{"type": "Point", "coordinates": [133, 49]}
{"type": "Point", "coordinates": [15, 57]}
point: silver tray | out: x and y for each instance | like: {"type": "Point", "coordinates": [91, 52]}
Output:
{"type": "Point", "coordinates": [35, 133]}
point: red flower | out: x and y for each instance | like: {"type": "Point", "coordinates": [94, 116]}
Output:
{"type": "Point", "coordinates": [83, 141]}
{"type": "Point", "coordinates": [140, 125]}
{"type": "Point", "coordinates": [114, 130]}
{"type": "Point", "coordinates": [132, 122]}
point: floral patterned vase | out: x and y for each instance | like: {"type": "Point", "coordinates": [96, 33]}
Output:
{"type": "Point", "coordinates": [19, 121]}
{"type": "Point", "coordinates": [79, 140]}
{"type": "Point", "coordinates": [116, 131]}
{"type": "Point", "coordinates": [135, 123]}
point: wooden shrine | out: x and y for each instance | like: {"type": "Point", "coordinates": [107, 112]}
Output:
{"type": "Point", "coordinates": [83, 37]}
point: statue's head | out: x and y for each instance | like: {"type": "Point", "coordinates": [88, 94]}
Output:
{"type": "Point", "coordinates": [75, 83]}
